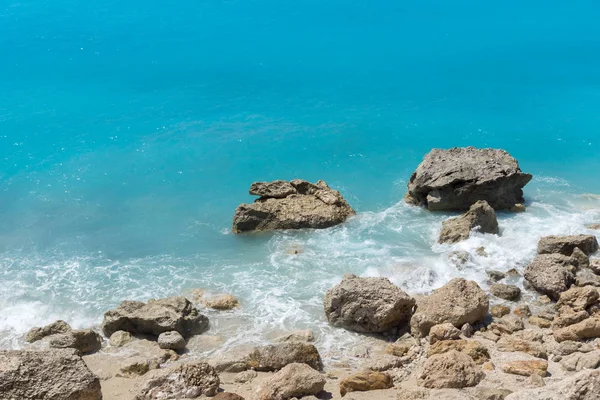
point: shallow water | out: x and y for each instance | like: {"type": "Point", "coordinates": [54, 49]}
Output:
{"type": "Point", "coordinates": [130, 132]}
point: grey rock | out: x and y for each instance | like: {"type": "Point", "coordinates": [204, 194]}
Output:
{"type": "Point", "coordinates": [566, 244]}
{"type": "Point", "coordinates": [582, 259]}
{"type": "Point", "coordinates": [83, 341]}
{"type": "Point", "coordinates": [506, 292]}
{"type": "Point", "coordinates": [56, 374]}
{"type": "Point", "coordinates": [580, 361]}
{"type": "Point", "coordinates": [367, 305]}
{"type": "Point", "coordinates": [295, 380]}
{"type": "Point", "coordinates": [171, 340]}
{"type": "Point", "coordinates": [551, 274]}
{"type": "Point", "coordinates": [458, 302]}
{"type": "Point", "coordinates": [189, 380]}
{"type": "Point", "coordinates": [480, 217]}
{"type": "Point", "coordinates": [487, 393]}
{"type": "Point", "coordinates": [578, 298]}
{"type": "Point", "coordinates": [120, 338]}
{"type": "Point", "coordinates": [155, 317]}
{"type": "Point", "coordinates": [585, 385]}
{"type": "Point", "coordinates": [275, 357]}
{"type": "Point", "coordinates": [311, 206]}
{"type": "Point", "coordinates": [506, 325]}
{"type": "Point", "coordinates": [457, 178]}
{"type": "Point", "coordinates": [445, 331]}
{"type": "Point", "coordinates": [54, 328]}
{"type": "Point", "coordinates": [495, 276]}
{"type": "Point", "coordinates": [246, 376]}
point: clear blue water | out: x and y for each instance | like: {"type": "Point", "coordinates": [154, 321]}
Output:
{"type": "Point", "coordinates": [129, 132]}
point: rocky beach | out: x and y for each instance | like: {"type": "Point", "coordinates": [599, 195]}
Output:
{"type": "Point", "coordinates": [527, 332]}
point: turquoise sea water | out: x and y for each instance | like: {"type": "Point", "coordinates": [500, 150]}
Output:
{"type": "Point", "coordinates": [129, 132]}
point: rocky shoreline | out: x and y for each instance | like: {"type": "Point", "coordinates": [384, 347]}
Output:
{"type": "Point", "coordinates": [457, 342]}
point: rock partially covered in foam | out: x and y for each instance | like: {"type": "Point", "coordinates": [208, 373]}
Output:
{"type": "Point", "coordinates": [457, 178]}
{"type": "Point", "coordinates": [367, 305]}
{"type": "Point", "coordinates": [458, 302]}
{"type": "Point", "coordinates": [49, 374]}
{"type": "Point", "coordinates": [155, 317]}
{"type": "Point", "coordinates": [291, 205]}
{"type": "Point", "coordinates": [480, 216]}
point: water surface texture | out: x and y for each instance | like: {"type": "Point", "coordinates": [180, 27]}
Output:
{"type": "Point", "coordinates": [130, 131]}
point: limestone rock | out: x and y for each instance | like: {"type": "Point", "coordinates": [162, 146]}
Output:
{"type": "Point", "coordinates": [480, 216]}
{"type": "Point", "coordinates": [120, 338]}
{"type": "Point", "coordinates": [366, 381]}
{"type": "Point", "coordinates": [578, 298]}
{"type": "Point", "coordinates": [56, 374]}
{"type": "Point", "coordinates": [472, 348]}
{"type": "Point", "coordinates": [512, 343]}
{"type": "Point", "coordinates": [189, 380]}
{"type": "Point", "coordinates": [506, 325]}
{"type": "Point", "coordinates": [402, 346]}
{"type": "Point", "coordinates": [455, 179]}
{"type": "Point", "coordinates": [83, 341]}
{"type": "Point", "coordinates": [595, 265]}
{"type": "Point", "coordinates": [527, 368]}
{"type": "Point", "coordinates": [586, 329]}
{"type": "Point", "coordinates": [566, 244]}
{"type": "Point", "coordinates": [367, 305]}
{"type": "Point", "coordinates": [275, 357]}
{"type": "Point", "coordinates": [583, 386]}
{"type": "Point", "coordinates": [522, 311]}
{"type": "Point", "coordinates": [295, 380]}
{"type": "Point", "coordinates": [541, 322]}
{"type": "Point", "coordinates": [586, 277]}
{"type": "Point", "coordinates": [450, 370]}
{"type": "Point", "coordinates": [579, 361]}
{"type": "Point", "coordinates": [305, 205]}
{"type": "Point", "coordinates": [568, 316]}
{"type": "Point", "coordinates": [506, 292]}
{"type": "Point", "coordinates": [155, 317]}
{"type": "Point", "coordinates": [171, 340]}
{"type": "Point", "coordinates": [444, 331]}
{"type": "Point", "coordinates": [222, 302]}
{"type": "Point", "coordinates": [227, 396]}
{"type": "Point", "coordinates": [499, 311]}
{"type": "Point", "coordinates": [54, 328]}
{"type": "Point", "coordinates": [582, 259]}
{"type": "Point", "coordinates": [486, 393]}
{"type": "Point", "coordinates": [458, 302]}
{"type": "Point", "coordinates": [551, 274]}
{"type": "Point", "coordinates": [246, 376]}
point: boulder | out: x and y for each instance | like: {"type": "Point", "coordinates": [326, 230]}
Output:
{"type": "Point", "coordinates": [366, 381]}
{"type": "Point", "coordinates": [506, 292]}
{"type": "Point", "coordinates": [455, 179]}
{"type": "Point", "coordinates": [120, 338]}
{"type": "Point", "coordinates": [445, 331]}
{"type": "Point", "coordinates": [56, 374]}
{"type": "Point", "coordinates": [294, 380]}
{"type": "Point", "coordinates": [450, 370]}
{"type": "Point", "coordinates": [586, 277]}
{"type": "Point", "coordinates": [83, 341]}
{"type": "Point", "coordinates": [184, 381]}
{"type": "Point", "coordinates": [291, 205]}
{"type": "Point", "coordinates": [583, 386]}
{"type": "Point", "coordinates": [527, 367]}
{"type": "Point", "coordinates": [551, 274]}
{"type": "Point", "coordinates": [458, 302]}
{"type": "Point", "coordinates": [275, 357]}
{"type": "Point", "coordinates": [480, 216]}
{"type": "Point", "coordinates": [578, 298]}
{"type": "Point", "coordinates": [367, 305]}
{"type": "Point", "coordinates": [586, 329]}
{"type": "Point", "coordinates": [566, 244]}
{"type": "Point", "coordinates": [171, 340]}
{"type": "Point", "coordinates": [155, 317]}
{"type": "Point", "coordinates": [54, 328]}
{"type": "Point", "coordinates": [471, 348]}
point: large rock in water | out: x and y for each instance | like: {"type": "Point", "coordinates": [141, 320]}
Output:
{"type": "Point", "coordinates": [455, 179]}
{"type": "Point", "coordinates": [48, 375]}
{"type": "Point", "coordinates": [155, 317]}
{"type": "Point", "coordinates": [551, 274]}
{"type": "Point", "coordinates": [458, 302]}
{"type": "Point", "coordinates": [291, 205]}
{"type": "Point", "coordinates": [480, 216]}
{"type": "Point", "coordinates": [367, 305]}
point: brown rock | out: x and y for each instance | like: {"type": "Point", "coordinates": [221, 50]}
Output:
{"type": "Point", "coordinates": [120, 338]}
{"type": "Point", "coordinates": [586, 329]}
{"type": "Point", "coordinates": [579, 361]}
{"type": "Point", "coordinates": [367, 305]}
{"type": "Point", "coordinates": [480, 216]}
{"type": "Point", "coordinates": [366, 381]}
{"type": "Point", "coordinates": [275, 357]}
{"type": "Point", "coordinates": [445, 331]}
{"type": "Point", "coordinates": [499, 311]}
{"type": "Point", "coordinates": [294, 380]}
{"type": "Point", "coordinates": [506, 325]}
{"type": "Point", "coordinates": [566, 244]}
{"type": "Point", "coordinates": [541, 322]}
{"type": "Point", "coordinates": [402, 346]}
{"type": "Point", "coordinates": [193, 380]}
{"type": "Point", "coordinates": [551, 274]}
{"type": "Point", "coordinates": [495, 276]}
{"type": "Point", "coordinates": [297, 336]}
{"type": "Point", "coordinates": [228, 396]}
{"type": "Point", "coordinates": [472, 348]}
{"type": "Point", "coordinates": [506, 292]}
{"type": "Point", "coordinates": [518, 208]}
{"type": "Point", "coordinates": [222, 302]}
{"type": "Point", "coordinates": [522, 311]}
{"type": "Point", "coordinates": [486, 393]}
{"type": "Point", "coordinates": [512, 343]}
{"type": "Point", "coordinates": [578, 298]}
{"type": "Point", "coordinates": [582, 259]}
{"type": "Point", "coordinates": [54, 328]}
{"type": "Point", "coordinates": [568, 316]}
{"type": "Point", "coordinates": [458, 302]}
{"type": "Point", "coordinates": [84, 341]}
{"type": "Point", "coordinates": [450, 370]}
{"type": "Point", "coordinates": [526, 368]}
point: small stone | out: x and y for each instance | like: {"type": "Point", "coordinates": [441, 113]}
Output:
{"type": "Point", "coordinates": [222, 302]}
{"type": "Point", "coordinates": [595, 265]}
{"type": "Point", "coordinates": [513, 272]}
{"type": "Point", "coordinates": [582, 258]}
{"type": "Point", "coordinates": [544, 299]}
{"type": "Point", "coordinates": [488, 366]}
{"type": "Point", "coordinates": [536, 381]}
{"type": "Point", "coordinates": [245, 376]}
{"type": "Point", "coordinates": [443, 332]}
{"type": "Point", "coordinates": [84, 341]}
{"type": "Point", "coordinates": [120, 338]}
{"type": "Point", "coordinates": [134, 367]}
{"type": "Point", "coordinates": [499, 311]}
{"type": "Point", "coordinates": [507, 325]}
{"type": "Point", "coordinates": [579, 361]}
{"type": "Point", "coordinates": [506, 292]}
{"type": "Point", "coordinates": [512, 343]}
{"type": "Point", "coordinates": [522, 311]}
{"type": "Point", "coordinates": [586, 329]}
{"type": "Point", "coordinates": [171, 341]}
{"type": "Point", "coordinates": [227, 396]}
{"type": "Point", "coordinates": [54, 328]}
{"type": "Point", "coordinates": [402, 346]}
{"type": "Point", "coordinates": [190, 380]}
{"type": "Point", "coordinates": [541, 322]}
{"type": "Point", "coordinates": [472, 348]}
{"type": "Point", "coordinates": [459, 259]}
{"type": "Point", "coordinates": [578, 298]}
{"type": "Point", "coordinates": [480, 251]}
{"type": "Point", "coordinates": [518, 208]}
{"type": "Point", "coordinates": [366, 381]}
{"type": "Point", "coordinates": [495, 276]}
{"type": "Point", "coordinates": [488, 335]}
{"type": "Point", "coordinates": [527, 368]}
{"type": "Point", "coordinates": [467, 330]}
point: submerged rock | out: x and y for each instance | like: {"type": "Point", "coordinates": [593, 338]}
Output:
{"type": "Point", "coordinates": [458, 302]}
{"type": "Point", "coordinates": [480, 216]}
{"type": "Point", "coordinates": [50, 374]}
{"type": "Point", "coordinates": [155, 317]}
{"type": "Point", "coordinates": [367, 305]}
{"type": "Point", "coordinates": [457, 178]}
{"type": "Point", "coordinates": [295, 380]}
{"type": "Point", "coordinates": [551, 274]}
{"type": "Point", "coordinates": [291, 205]}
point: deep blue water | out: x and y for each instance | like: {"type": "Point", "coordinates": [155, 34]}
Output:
{"type": "Point", "coordinates": [129, 132]}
